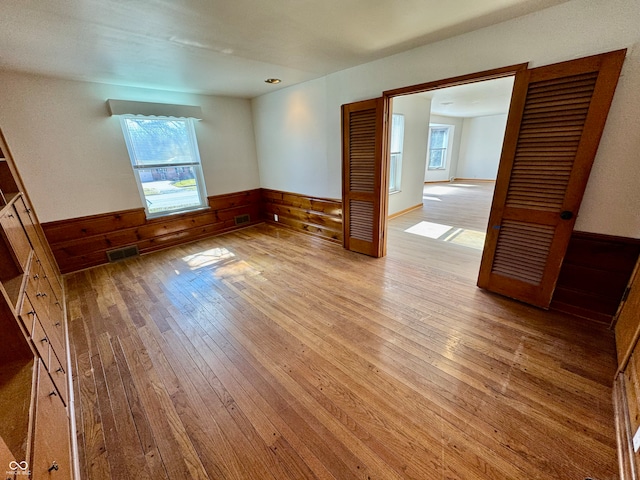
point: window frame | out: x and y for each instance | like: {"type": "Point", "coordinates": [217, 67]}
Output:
{"type": "Point", "coordinates": [445, 150]}
{"type": "Point", "coordinates": [195, 164]}
{"type": "Point", "coordinates": [396, 186]}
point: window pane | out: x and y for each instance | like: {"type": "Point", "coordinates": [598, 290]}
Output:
{"type": "Point", "coordinates": [439, 137]}
{"type": "Point", "coordinates": [157, 141]}
{"type": "Point", "coordinates": [169, 188]}
{"type": "Point", "coordinates": [394, 172]}
{"type": "Point", "coordinates": [436, 158]}
{"type": "Point", "coordinates": [397, 133]}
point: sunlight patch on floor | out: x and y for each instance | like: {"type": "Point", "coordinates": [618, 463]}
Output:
{"type": "Point", "coordinates": [206, 258]}
{"type": "Point", "coordinates": [440, 190]}
{"type": "Point", "coordinates": [429, 229]}
{"type": "Point", "coordinates": [469, 238]}
{"type": "Point", "coordinates": [447, 233]}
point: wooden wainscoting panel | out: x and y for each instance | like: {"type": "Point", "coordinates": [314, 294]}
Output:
{"type": "Point", "coordinates": [79, 243]}
{"type": "Point", "coordinates": [83, 227]}
{"type": "Point", "coordinates": [594, 275]}
{"type": "Point", "coordinates": [318, 216]}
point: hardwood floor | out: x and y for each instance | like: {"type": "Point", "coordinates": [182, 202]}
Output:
{"type": "Point", "coordinates": [269, 354]}
{"type": "Point", "coordinates": [450, 228]}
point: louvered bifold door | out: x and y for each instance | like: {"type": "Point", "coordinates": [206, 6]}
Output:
{"type": "Point", "coordinates": [363, 176]}
{"type": "Point", "coordinates": [556, 119]}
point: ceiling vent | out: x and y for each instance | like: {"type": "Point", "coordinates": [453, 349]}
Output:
{"type": "Point", "coordinates": [122, 253]}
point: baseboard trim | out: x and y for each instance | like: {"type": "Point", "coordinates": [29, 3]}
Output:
{"type": "Point", "coordinates": [406, 210]}
{"type": "Point", "coordinates": [474, 180]}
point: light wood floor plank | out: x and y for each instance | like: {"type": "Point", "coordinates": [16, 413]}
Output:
{"type": "Point", "coordinates": [267, 354]}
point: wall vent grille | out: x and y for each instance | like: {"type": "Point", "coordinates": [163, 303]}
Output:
{"type": "Point", "coordinates": [122, 253]}
{"type": "Point", "coordinates": [242, 219]}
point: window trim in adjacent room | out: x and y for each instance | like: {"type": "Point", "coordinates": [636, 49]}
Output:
{"type": "Point", "coordinates": [193, 162]}
{"type": "Point", "coordinates": [395, 157]}
{"type": "Point", "coordinates": [445, 150]}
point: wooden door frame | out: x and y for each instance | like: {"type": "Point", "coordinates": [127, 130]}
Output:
{"type": "Point", "coordinates": [388, 95]}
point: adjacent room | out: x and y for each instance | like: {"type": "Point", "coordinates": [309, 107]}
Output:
{"type": "Point", "coordinates": [452, 138]}
{"type": "Point", "coordinates": [319, 240]}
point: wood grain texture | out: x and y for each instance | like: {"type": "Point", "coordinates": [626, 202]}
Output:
{"type": "Point", "coordinates": [321, 217]}
{"type": "Point", "coordinates": [626, 461]}
{"type": "Point", "coordinates": [594, 275]}
{"type": "Point", "coordinates": [365, 172]}
{"type": "Point", "coordinates": [460, 80]}
{"type": "Point", "coordinates": [79, 243]}
{"type": "Point", "coordinates": [266, 353]}
{"type": "Point", "coordinates": [556, 119]}
{"type": "Point", "coordinates": [627, 320]}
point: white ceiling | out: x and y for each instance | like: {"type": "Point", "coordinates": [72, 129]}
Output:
{"type": "Point", "coordinates": [491, 97]}
{"type": "Point", "coordinates": [228, 47]}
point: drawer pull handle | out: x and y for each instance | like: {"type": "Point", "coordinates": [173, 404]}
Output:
{"type": "Point", "coordinates": [10, 215]}
{"type": "Point", "coordinates": [57, 324]}
{"type": "Point", "coordinates": [53, 394]}
{"type": "Point", "coordinates": [32, 312]}
{"type": "Point", "coordinates": [44, 340]}
{"type": "Point", "coordinates": [36, 276]}
{"type": "Point", "coordinates": [54, 466]}
{"type": "Point", "coordinates": [60, 370]}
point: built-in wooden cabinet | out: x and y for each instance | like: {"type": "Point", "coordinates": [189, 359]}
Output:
{"type": "Point", "coordinates": [35, 422]}
{"type": "Point", "coordinates": [626, 390]}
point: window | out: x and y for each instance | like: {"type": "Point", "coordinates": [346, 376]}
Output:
{"type": "Point", "coordinates": [166, 163]}
{"type": "Point", "coordinates": [397, 139]}
{"type": "Point", "coordinates": [438, 144]}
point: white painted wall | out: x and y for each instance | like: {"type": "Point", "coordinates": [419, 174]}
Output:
{"type": "Point", "coordinates": [571, 30]}
{"type": "Point", "coordinates": [293, 134]}
{"type": "Point", "coordinates": [454, 145]}
{"type": "Point", "coordinates": [416, 123]}
{"type": "Point", "coordinates": [481, 146]}
{"type": "Point", "coordinates": [72, 156]}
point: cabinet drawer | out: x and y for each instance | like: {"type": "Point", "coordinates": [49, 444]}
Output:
{"type": "Point", "coordinates": [58, 375]}
{"type": "Point", "coordinates": [25, 213]}
{"type": "Point", "coordinates": [41, 341]}
{"type": "Point", "coordinates": [56, 328]}
{"type": "Point", "coordinates": [27, 314]}
{"type": "Point", "coordinates": [632, 389]}
{"type": "Point", "coordinates": [16, 235]}
{"type": "Point", "coordinates": [51, 454]}
{"type": "Point", "coordinates": [628, 415]}
{"type": "Point", "coordinates": [49, 311]}
{"type": "Point", "coordinates": [53, 325]}
{"type": "Point", "coordinates": [32, 282]}
{"type": "Point", "coordinates": [52, 287]}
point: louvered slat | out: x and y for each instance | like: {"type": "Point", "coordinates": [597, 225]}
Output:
{"type": "Point", "coordinates": [552, 124]}
{"type": "Point", "coordinates": [362, 151]}
{"type": "Point", "coordinates": [522, 251]}
{"type": "Point", "coordinates": [362, 157]}
{"type": "Point", "coordinates": [361, 225]}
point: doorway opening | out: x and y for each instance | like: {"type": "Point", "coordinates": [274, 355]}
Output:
{"type": "Point", "coordinates": [445, 147]}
